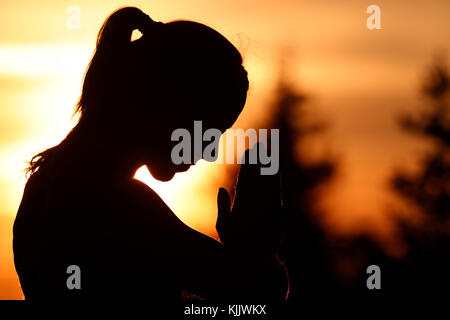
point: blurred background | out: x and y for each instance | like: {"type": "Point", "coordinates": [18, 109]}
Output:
{"type": "Point", "coordinates": [363, 114]}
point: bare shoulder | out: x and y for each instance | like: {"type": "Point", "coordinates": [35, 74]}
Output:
{"type": "Point", "coordinates": [142, 193]}
{"type": "Point", "coordinates": [151, 202]}
{"type": "Point", "coordinates": [145, 200]}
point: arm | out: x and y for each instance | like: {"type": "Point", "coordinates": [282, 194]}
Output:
{"type": "Point", "coordinates": [213, 271]}
{"type": "Point", "coordinates": [245, 265]}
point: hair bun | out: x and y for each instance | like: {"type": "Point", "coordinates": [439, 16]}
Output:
{"type": "Point", "coordinates": [115, 33]}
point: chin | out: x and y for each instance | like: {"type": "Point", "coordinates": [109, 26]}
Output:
{"type": "Point", "coordinates": [183, 167]}
{"type": "Point", "coordinates": [168, 173]}
{"type": "Point", "coordinates": [164, 176]}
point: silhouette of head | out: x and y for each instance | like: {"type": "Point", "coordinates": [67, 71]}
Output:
{"type": "Point", "coordinates": [137, 92]}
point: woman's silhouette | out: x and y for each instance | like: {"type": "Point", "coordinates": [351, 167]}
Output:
{"type": "Point", "coordinates": [81, 205]}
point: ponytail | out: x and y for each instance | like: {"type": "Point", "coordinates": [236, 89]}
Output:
{"type": "Point", "coordinates": [108, 70]}
{"type": "Point", "coordinates": [115, 34]}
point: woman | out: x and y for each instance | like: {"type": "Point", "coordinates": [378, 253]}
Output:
{"type": "Point", "coordinates": [81, 205]}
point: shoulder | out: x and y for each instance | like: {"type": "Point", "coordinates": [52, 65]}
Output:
{"type": "Point", "coordinates": [149, 204]}
{"type": "Point", "coordinates": [145, 206]}
{"type": "Point", "coordinates": [140, 195]}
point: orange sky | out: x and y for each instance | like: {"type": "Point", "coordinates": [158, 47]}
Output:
{"type": "Point", "coordinates": [358, 80]}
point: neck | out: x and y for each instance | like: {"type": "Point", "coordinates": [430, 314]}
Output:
{"type": "Point", "coordinates": [113, 163]}
{"type": "Point", "coordinates": [101, 158]}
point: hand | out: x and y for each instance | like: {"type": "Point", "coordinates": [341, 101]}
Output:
{"type": "Point", "coordinates": [254, 222]}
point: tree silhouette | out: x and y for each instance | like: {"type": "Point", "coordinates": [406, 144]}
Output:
{"type": "Point", "coordinates": [427, 263]}
{"type": "Point", "coordinates": [312, 258]}
{"type": "Point", "coordinates": [430, 188]}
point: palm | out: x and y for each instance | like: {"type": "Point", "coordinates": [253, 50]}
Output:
{"type": "Point", "coordinates": [254, 221]}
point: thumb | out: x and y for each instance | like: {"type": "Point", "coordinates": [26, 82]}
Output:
{"type": "Point", "coordinates": [223, 203]}
{"type": "Point", "coordinates": [223, 206]}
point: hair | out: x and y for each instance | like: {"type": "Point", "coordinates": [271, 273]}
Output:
{"type": "Point", "coordinates": [185, 64]}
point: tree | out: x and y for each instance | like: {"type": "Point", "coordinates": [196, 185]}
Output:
{"type": "Point", "coordinates": [428, 260]}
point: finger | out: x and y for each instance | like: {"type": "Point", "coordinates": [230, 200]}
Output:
{"type": "Point", "coordinates": [224, 207]}
{"type": "Point", "coordinates": [248, 176]}
{"type": "Point", "coordinates": [223, 202]}
{"type": "Point", "coordinates": [252, 186]}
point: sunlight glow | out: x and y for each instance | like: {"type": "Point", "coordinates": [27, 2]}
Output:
{"type": "Point", "coordinates": [44, 60]}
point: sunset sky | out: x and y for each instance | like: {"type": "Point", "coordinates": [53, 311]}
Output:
{"type": "Point", "coordinates": [358, 81]}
